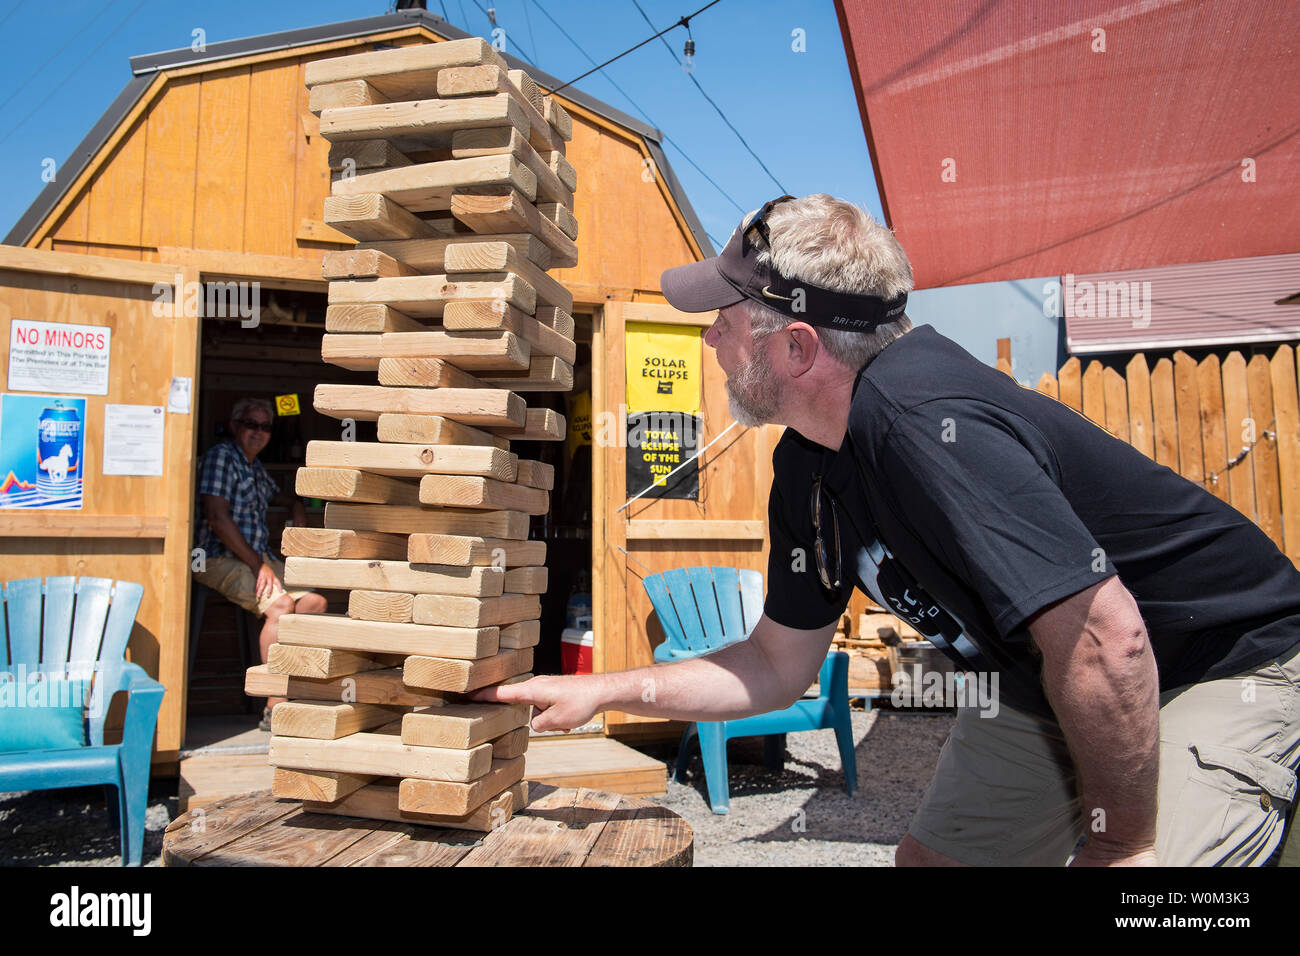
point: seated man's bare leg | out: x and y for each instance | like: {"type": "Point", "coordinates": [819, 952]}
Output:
{"type": "Point", "coordinates": [310, 604]}
{"type": "Point", "coordinates": [270, 632]}
{"type": "Point", "coordinates": [912, 852]}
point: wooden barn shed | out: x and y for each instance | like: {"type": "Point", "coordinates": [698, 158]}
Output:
{"type": "Point", "coordinates": [209, 168]}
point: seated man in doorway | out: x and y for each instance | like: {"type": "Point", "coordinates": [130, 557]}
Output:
{"type": "Point", "coordinates": [1145, 634]}
{"type": "Point", "coordinates": [235, 490]}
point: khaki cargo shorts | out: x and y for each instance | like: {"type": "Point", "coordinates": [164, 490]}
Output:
{"type": "Point", "coordinates": [237, 583]}
{"type": "Point", "coordinates": [1005, 791]}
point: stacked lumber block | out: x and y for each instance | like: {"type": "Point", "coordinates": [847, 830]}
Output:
{"type": "Point", "coordinates": [449, 171]}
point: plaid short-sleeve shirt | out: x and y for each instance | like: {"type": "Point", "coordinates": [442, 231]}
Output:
{"type": "Point", "coordinates": [227, 474]}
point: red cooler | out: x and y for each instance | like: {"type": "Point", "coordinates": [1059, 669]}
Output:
{"type": "Point", "coordinates": [575, 651]}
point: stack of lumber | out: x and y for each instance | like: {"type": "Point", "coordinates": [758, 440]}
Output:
{"type": "Point", "coordinates": [872, 648]}
{"type": "Point", "coordinates": [449, 170]}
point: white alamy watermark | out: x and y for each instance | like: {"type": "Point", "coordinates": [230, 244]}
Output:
{"type": "Point", "coordinates": [213, 300]}
{"type": "Point", "coordinates": [43, 688]}
{"type": "Point", "coordinates": [1101, 299]}
{"type": "Point", "coordinates": [915, 686]}
{"type": "Point", "coordinates": [75, 908]}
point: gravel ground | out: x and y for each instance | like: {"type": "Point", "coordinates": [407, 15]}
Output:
{"type": "Point", "coordinates": [798, 817]}
{"type": "Point", "coordinates": [802, 816]}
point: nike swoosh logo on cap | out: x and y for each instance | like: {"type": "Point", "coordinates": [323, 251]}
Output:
{"type": "Point", "coordinates": [773, 295]}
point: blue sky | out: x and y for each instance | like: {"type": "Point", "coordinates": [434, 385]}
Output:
{"type": "Point", "coordinates": [65, 62]}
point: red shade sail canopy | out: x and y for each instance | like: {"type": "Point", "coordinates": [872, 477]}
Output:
{"type": "Point", "coordinates": [1021, 139]}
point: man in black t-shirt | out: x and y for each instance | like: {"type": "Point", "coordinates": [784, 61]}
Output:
{"type": "Point", "coordinates": [1135, 641]}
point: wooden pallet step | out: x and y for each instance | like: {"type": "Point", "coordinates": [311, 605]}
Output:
{"type": "Point", "coordinates": [429, 122]}
{"type": "Point", "coordinates": [320, 720]}
{"type": "Point", "coordinates": [319, 785]}
{"type": "Point", "coordinates": [399, 519]}
{"type": "Point", "coordinates": [488, 210]}
{"type": "Point", "coordinates": [370, 318]}
{"type": "Point", "coordinates": [429, 255]}
{"type": "Point", "coordinates": [474, 612]}
{"type": "Point", "coordinates": [480, 257]}
{"type": "Point", "coordinates": [471, 406]}
{"type": "Point", "coordinates": [376, 217]}
{"type": "Point", "coordinates": [338, 543]}
{"type": "Point", "coordinates": [323, 663]}
{"type": "Point", "coordinates": [455, 491]}
{"type": "Point", "coordinates": [428, 796]}
{"type": "Point", "coordinates": [352, 484]}
{"type": "Point", "coordinates": [470, 550]}
{"type": "Point", "coordinates": [367, 687]}
{"type": "Point", "coordinates": [508, 141]}
{"type": "Point", "coordinates": [427, 187]}
{"type": "Point", "coordinates": [381, 637]}
{"type": "Point", "coordinates": [459, 676]}
{"type": "Point", "coordinates": [408, 461]}
{"type": "Point", "coordinates": [545, 373]}
{"type": "Point", "coordinates": [434, 430]}
{"type": "Point", "coordinates": [541, 338]}
{"type": "Point", "coordinates": [405, 72]}
{"type": "Point", "coordinates": [542, 424]}
{"type": "Point", "coordinates": [379, 801]}
{"type": "Point", "coordinates": [392, 575]}
{"type": "Point", "coordinates": [427, 296]}
{"type": "Point", "coordinates": [380, 754]}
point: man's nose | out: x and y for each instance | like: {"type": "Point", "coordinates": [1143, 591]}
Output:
{"type": "Point", "coordinates": [711, 335]}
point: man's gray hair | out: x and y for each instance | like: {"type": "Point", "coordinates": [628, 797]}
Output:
{"type": "Point", "coordinates": [246, 405]}
{"type": "Point", "coordinates": [835, 245]}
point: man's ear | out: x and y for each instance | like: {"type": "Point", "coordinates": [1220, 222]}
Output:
{"type": "Point", "coordinates": [802, 349]}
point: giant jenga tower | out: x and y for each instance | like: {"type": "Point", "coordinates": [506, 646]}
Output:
{"type": "Point", "coordinates": [449, 170]}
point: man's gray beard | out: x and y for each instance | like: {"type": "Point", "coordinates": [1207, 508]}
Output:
{"type": "Point", "coordinates": [753, 393]}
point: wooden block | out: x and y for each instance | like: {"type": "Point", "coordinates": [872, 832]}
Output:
{"type": "Point", "coordinates": [474, 612]}
{"type": "Point", "coordinates": [382, 755]}
{"type": "Point", "coordinates": [511, 744]}
{"type": "Point", "coordinates": [409, 72]}
{"type": "Point", "coordinates": [545, 373]}
{"type": "Point", "coordinates": [426, 796]}
{"type": "Point", "coordinates": [376, 217]}
{"type": "Point", "coordinates": [380, 801]}
{"type": "Point", "coordinates": [321, 663]}
{"type": "Point", "coordinates": [469, 550]}
{"type": "Point", "coordinates": [392, 575]}
{"type": "Point", "coordinates": [562, 216]}
{"type": "Point", "coordinates": [528, 87]}
{"type": "Point", "coordinates": [428, 187]}
{"type": "Point", "coordinates": [462, 726]}
{"type": "Point", "coordinates": [432, 429]}
{"type": "Point", "coordinates": [397, 460]}
{"type": "Point", "coordinates": [471, 406]}
{"type": "Point", "coordinates": [558, 117]}
{"type": "Point", "coordinates": [320, 785]}
{"type": "Point", "coordinates": [382, 637]}
{"type": "Point", "coordinates": [460, 676]}
{"type": "Point", "coordinates": [327, 96]}
{"type": "Point", "coordinates": [487, 80]}
{"type": "Point", "coordinates": [506, 141]}
{"type": "Point", "coordinates": [542, 424]}
{"type": "Point", "coordinates": [456, 491]}
{"type": "Point", "coordinates": [389, 606]}
{"type": "Point", "coordinates": [502, 257]}
{"type": "Point", "coordinates": [347, 158]}
{"type": "Point", "coordinates": [562, 168]}
{"type": "Point", "coordinates": [370, 318]}
{"type": "Point", "coordinates": [363, 264]}
{"type": "Point", "coordinates": [408, 520]}
{"type": "Point", "coordinates": [520, 634]}
{"type": "Point", "coordinates": [491, 210]}
{"type": "Point", "coordinates": [426, 296]}
{"type": "Point", "coordinates": [492, 315]}
{"type": "Point", "coordinates": [366, 687]}
{"type": "Point", "coordinates": [354, 352]}
{"type": "Point", "coordinates": [350, 484]}
{"type": "Point", "coordinates": [424, 373]}
{"type": "Point", "coordinates": [526, 581]}
{"type": "Point", "coordinates": [429, 255]}
{"type": "Point", "coordinates": [425, 121]}
{"type": "Point", "coordinates": [322, 720]}
{"type": "Point", "coordinates": [535, 474]}
{"type": "Point", "coordinates": [557, 319]}
{"type": "Point", "coordinates": [338, 543]}
{"type": "Point", "coordinates": [478, 350]}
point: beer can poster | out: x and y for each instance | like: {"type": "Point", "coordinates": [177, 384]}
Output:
{"type": "Point", "coordinates": [657, 444]}
{"type": "Point", "coordinates": [42, 451]}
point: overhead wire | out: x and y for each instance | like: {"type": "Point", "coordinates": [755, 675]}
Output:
{"type": "Point", "coordinates": [19, 87]}
{"type": "Point", "coordinates": [532, 57]}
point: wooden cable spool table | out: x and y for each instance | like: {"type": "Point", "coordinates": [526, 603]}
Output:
{"type": "Point", "coordinates": [559, 827]}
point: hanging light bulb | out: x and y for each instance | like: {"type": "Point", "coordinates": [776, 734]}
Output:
{"type": "Point", "coordinates": [688, 55]}
{"type": "Point", "coordinates": [492, 15]}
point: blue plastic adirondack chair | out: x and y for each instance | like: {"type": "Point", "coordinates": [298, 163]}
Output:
{"type": "Point", "coordinates": [702, 609]}
{"type": "Point", "coordinates": [79, 627]}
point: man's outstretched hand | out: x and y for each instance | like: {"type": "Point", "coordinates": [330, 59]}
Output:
{"type": "Point", "coordinates": [559, 703]}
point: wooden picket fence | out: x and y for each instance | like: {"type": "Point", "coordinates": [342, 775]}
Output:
{"type": "Point", "coordinates": [1230, 425]}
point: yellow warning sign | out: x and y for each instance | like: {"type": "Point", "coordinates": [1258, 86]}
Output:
{"type": "Point", "coordinates": [663, 368]}
{"type": "Point", "coordinates": [287, 404]}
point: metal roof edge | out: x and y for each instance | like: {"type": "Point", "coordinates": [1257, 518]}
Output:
{"type": "Point", "coordinates": [77, 161]}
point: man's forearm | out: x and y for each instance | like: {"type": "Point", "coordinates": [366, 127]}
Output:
{"type": "Point", "coordinates": [1106, 697]}
{"type": "Point", "coordinates": [733, 682]}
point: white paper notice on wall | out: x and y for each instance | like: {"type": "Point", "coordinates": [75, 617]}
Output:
{"type": "Point", "coordinates": [178, 399]}
{"type": "Point", "coordinates": [133, 439]}
{"type": "Point", "coordinates": [57, 357]}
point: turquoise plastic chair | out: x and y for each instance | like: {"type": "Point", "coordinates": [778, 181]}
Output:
{"type": "Point", "coordinates": [702, 609]}
{"type": "Point", "coordinates": [79, 627]}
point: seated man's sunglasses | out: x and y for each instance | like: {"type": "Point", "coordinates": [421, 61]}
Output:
{"type": "Point", "coordinates": [255, 425]}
